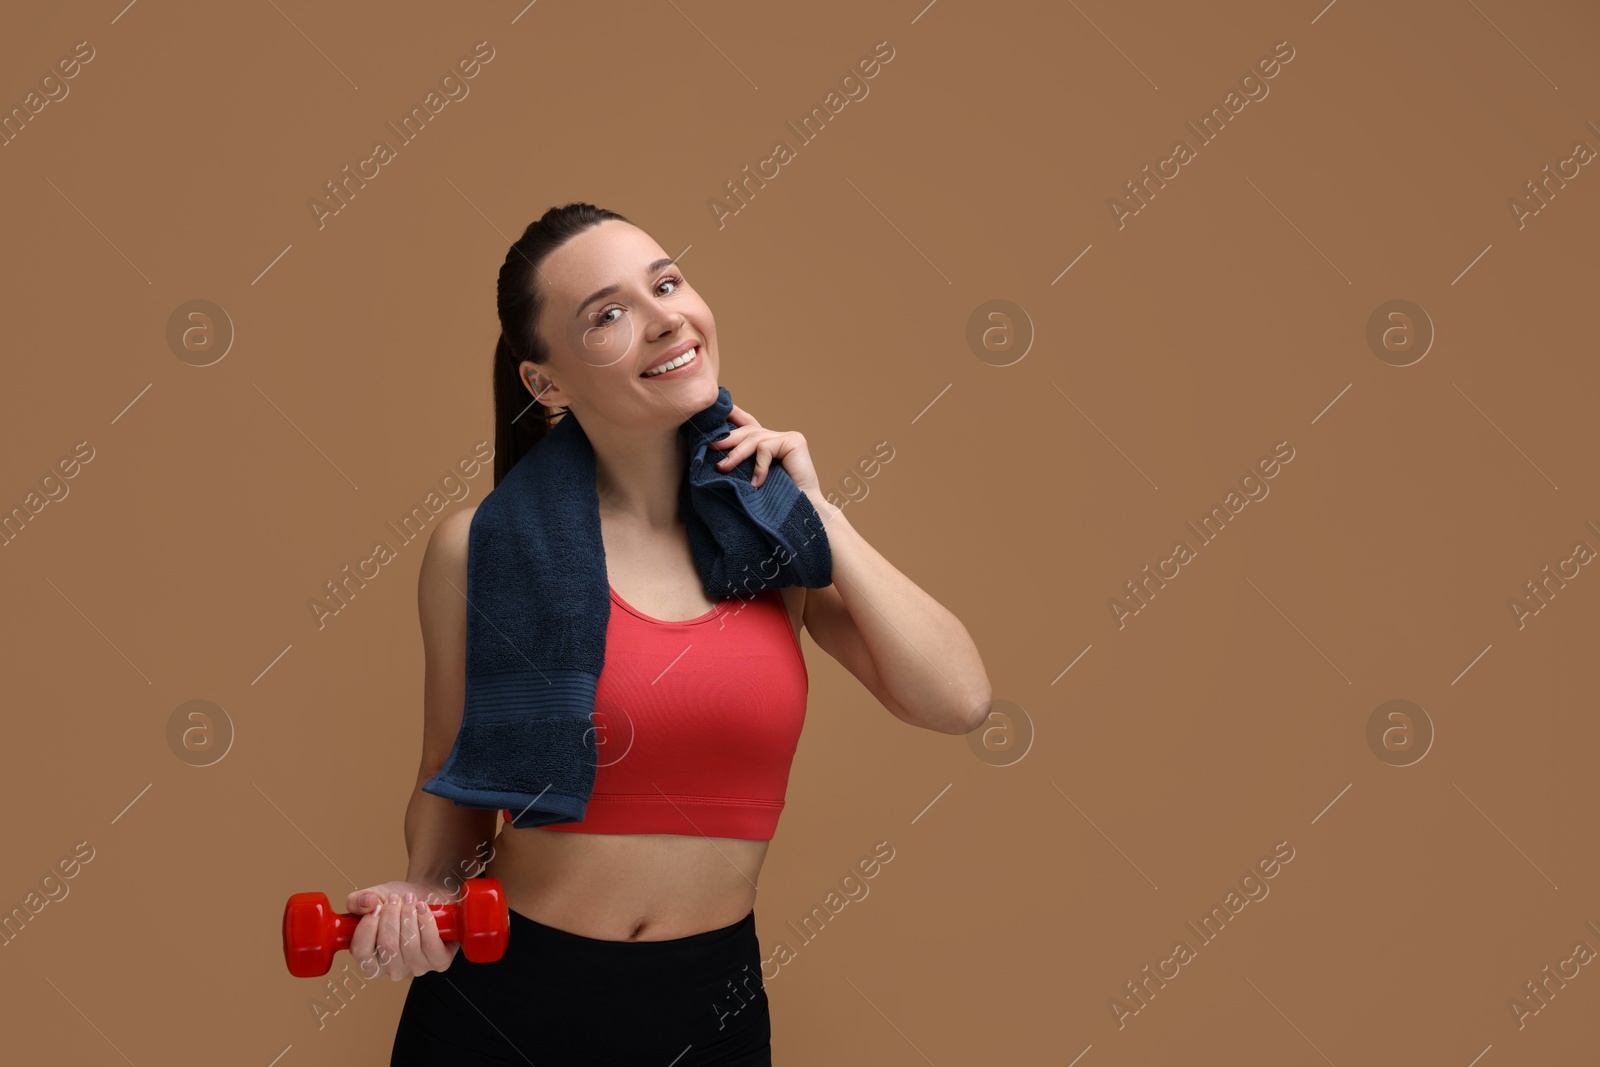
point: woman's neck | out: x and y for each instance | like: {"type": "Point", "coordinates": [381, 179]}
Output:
{"type": "Point", "coordinates": [639, 477]}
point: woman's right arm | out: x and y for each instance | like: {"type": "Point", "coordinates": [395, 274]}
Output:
{"type": "Point", "coordinates": [445, 843]}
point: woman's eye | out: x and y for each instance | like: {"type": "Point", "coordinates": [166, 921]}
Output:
{"type": "Point", "coordinates": [601, 320]}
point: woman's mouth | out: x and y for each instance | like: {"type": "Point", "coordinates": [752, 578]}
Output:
{"type": "Point", "coordinates": [675, 368]}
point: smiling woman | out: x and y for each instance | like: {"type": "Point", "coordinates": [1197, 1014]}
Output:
{"type": "Point", "coordinates": [645, 887]}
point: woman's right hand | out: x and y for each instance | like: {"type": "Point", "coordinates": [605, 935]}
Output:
{"type": "Point", "coordinates": [397, 932]}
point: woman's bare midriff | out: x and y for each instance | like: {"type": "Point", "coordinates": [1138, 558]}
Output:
{"type": "Point", "coordinates": [627, 887]}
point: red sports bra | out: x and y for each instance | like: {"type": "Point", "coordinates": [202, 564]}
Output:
{"type": "Point", "coordinates": [696, 722]}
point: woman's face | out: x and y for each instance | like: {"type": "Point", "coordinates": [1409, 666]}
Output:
{"type": "Point", "coordinates": [616, 307]}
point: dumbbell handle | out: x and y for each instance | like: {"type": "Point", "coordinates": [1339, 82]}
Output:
{"type": "Point", "coordinates": [313, 931]}
{"type": "Point", "coordinates": [446, 916]}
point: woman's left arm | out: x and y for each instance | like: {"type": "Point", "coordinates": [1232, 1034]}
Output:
{"type": "Point", "coordinates": [905, 647]}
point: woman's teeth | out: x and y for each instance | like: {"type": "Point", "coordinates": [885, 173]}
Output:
{"type": "Point", "coordinates": [672, 363]}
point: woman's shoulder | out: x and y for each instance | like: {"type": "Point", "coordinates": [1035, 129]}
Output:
{"type": "Point", "coordinates": [446, 554]}
{"type": "Point", "coordinates": [453, 529]}
{"type": "Point", "coordinates": [441, 585]}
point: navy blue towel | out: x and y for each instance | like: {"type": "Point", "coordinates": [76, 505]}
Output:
{"type": "Point", "coordinates": [538, 600]}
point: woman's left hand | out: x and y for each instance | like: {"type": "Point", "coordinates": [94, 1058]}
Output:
{"type": "Point", "coordinates": [749, 437]}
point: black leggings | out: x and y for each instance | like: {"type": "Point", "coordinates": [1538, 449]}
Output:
{"type": "Point", "coordinates": [558, 999]}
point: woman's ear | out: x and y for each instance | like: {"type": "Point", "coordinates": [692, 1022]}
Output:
{"type": "Point", "coordinates": [542, 390]}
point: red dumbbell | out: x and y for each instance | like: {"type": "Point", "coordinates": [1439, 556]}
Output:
{"type": "Point", "coordinates": [313, 932]}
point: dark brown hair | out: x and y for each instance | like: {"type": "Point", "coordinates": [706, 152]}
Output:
{"type": "Point", "coordinates": [520, 421]}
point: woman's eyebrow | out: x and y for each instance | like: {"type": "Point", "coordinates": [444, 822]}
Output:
{"type": "Point", "coordinates": [613, 287]}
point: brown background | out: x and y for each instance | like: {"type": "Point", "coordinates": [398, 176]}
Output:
{"type": "Point", "coordinates": [1232, 311]}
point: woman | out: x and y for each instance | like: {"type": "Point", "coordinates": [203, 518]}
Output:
{"type": "Point", "coordinates": [633, 931]}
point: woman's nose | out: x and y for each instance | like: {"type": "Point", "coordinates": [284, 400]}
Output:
{"type": "Point", "coordinates": [667, 323]}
